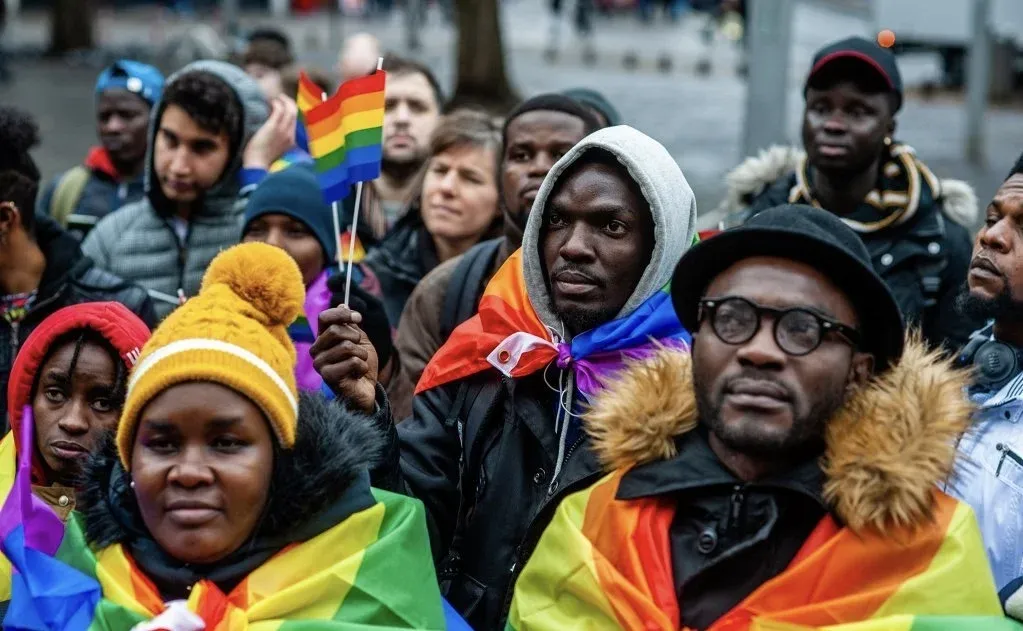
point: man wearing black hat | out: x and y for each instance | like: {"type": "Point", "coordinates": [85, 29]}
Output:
{"type": "Point", "coordinates": [911, 222]}
{"type": "Point", "coordinates": [785, 474]}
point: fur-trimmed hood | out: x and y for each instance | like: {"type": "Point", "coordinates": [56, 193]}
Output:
{"type": "Point", "coordinates": [752, 177]}
{"type": "Point", "coordinates": [887, 447]}
{"type": "Point", "coordinates": [333, 451]}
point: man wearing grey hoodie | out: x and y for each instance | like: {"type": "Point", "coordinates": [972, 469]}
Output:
{"type": "Point", "coordinates": [495, 441]}
{"type": "Point", "coordinates": [210, 131]}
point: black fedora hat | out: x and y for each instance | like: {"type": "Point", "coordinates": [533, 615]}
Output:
{"type": "Point", "coordinates": [808, 235]}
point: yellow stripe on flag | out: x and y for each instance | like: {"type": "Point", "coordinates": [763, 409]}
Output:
{"type": "Point", "coordinates": [8, 469]}
{"type": "Point", "coordinates": [896, 623]}
{"type": "Point", "coordinates": [353, 122]}
{"type": "Point", "coordinates": [281, 588]}
{"type": "Point", "coordinates": [558, 588]}
{"type": "Point", "coordinates": [958, 579]}
{"type": "Point", "coordinates": [115, 577]}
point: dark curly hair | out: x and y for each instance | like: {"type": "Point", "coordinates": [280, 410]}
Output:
{"type": "Point", "coordinates": [20, 191]}
{"type": "Point", "coordinates": [207, 100]}
{"type": "Point", "coordinates": [19, 132]}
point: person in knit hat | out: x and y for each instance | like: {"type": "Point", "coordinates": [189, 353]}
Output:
{"type": "Point", "coordinates": [287, 210]}
{"type": "Point", "coordinates": [111, 174]}
{"type": "Point", "coordinates": [65, 390]}
{"type": "Point", "coordinates": [598, 105]}
{"type": "Point", "coordinates": [227, 488]}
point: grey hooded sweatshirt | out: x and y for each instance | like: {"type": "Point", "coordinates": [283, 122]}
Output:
{"type": "Point", "coordinates": [491, 455]}
{"type": "Point", "coordinates": [138, 242]}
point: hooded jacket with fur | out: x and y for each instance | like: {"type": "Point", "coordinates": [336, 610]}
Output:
{"type": "Point", "coordinates": [920, 244]}
{"type": "Point", "coordinates": [881, 540]}
{"type": "Point", "coordinates": [138, 242]}
{"type": "Point", "coordinates": [486, 452]}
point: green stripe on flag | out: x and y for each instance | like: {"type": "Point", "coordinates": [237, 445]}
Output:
{"type": "Point", "coordinates": [354, 140]}
{"type": "Point", "coordinates": [402, 549]}
{"type": "Point", "coordinates": [364, 138]}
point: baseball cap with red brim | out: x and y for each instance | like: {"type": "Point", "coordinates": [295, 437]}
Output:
{"type": "Point", "coordinates": [871, 56]}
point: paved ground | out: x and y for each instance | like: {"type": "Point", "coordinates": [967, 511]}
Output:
{"type": "Point", "coordinates": [697, 117]}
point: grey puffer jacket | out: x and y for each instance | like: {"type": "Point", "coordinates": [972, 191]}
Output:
{"type": "Point", "coordinates": [138, 243]}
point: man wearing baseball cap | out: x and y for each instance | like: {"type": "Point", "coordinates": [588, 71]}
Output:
{"type": "Point", "coordinates": [914, 225]}
{"type": "Point", "coordinates": [111, 175]}
{"type": "Point", "coordinates": [782, 475]}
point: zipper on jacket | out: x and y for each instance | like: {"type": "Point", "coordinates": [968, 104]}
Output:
{"type": "Point", "coordinates": [182, 255]}
{"type": "Point", "coordinates": [14, 340]}
{"type": "Point", "coordinates": [552, 488]}
{"type": "Point", "coordinates": [735, 507]}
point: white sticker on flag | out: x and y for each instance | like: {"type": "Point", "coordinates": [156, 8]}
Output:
{"type": "Point", "coordinates": [508, 353]}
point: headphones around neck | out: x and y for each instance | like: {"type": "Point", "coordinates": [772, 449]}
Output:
{"type": "Point", "coordinates": [995, 362]}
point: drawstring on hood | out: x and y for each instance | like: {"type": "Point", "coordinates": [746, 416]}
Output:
{"type": "Point", "coordinates": [673, 209]}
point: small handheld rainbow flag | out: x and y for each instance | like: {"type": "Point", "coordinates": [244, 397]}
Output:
{"type": "Point", "coordinates": [345, 131]}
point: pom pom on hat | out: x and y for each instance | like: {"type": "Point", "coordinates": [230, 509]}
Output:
{"type": "Point", "coordinates": [234, 333]}
{"type": "Point", "coordinates": [262, 275]}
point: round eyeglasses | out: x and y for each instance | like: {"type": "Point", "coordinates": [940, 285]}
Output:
{"type": "Point", "coordinates": [797, 331]}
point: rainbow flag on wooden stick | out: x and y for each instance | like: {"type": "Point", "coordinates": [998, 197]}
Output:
{"type": "Point", "coordinates": [345, 132]}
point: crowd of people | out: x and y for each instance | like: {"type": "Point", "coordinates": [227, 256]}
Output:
{"type": "Point", "coordinates": [548, 403]}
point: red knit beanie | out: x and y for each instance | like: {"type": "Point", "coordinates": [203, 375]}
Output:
{"type": "Point", "coordinates": [113, 321]}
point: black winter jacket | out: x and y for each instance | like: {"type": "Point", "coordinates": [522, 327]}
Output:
{"type": "Point", "coordinates": [924, 263]}
{"type": "Point", "coordinates": [400, 260]}
{"type": "Point", "coordinates": [924, 259]}
{"type": "Point", "coordinates": [496, 436]}
{"type": "Point", "coordinates": [70, 278]}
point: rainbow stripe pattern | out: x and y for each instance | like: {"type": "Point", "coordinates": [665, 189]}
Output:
{"type": "Point", "coordinates": [45, 592]}
{"type": "Point", "coordinates": [507, 334]}
{"type": "Point", "coordinates": [345, 132]}
{"type": "Point", "coordinates": [605, 563]}
{"type": "Point", "coordinates": [373, 570]}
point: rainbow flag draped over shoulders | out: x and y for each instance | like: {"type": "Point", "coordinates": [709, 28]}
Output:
{"type": "Point", "coordinates": [345, 132]}
{"type": "Point", "coordinates": [371, 571]}
{"type": "Point", "coordinates": [605, 563]}
{"type": "Point", "coordinates": [506, 334]}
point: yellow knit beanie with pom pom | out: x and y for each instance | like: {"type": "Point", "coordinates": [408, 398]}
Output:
{"type": "Point", "coordinates": [235, 333]}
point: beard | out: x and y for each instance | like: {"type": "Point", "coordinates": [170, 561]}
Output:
{"type": "Point", "coordinates": [579, 321]}
{"type": "Point", "coordinates": [1002, 307]}
{"type": "Point", "coordinates": [804, 439]}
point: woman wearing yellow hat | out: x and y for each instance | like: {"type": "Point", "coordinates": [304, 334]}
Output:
{"type": "Point", "coordinates": [230, 499]}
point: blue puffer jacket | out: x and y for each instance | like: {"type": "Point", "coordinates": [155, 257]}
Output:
{"type": "Point", "coordinates": [138, 242]}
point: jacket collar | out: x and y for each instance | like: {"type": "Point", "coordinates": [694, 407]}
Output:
{"type": "Point", "coordinates": [886, 448]}
{"type": "Point", "coordinates": [98, 161]}
{"type": "Point", "coordinates": [754, 175]}
{"type": "Point", "coordinates": [695, 466]}
{"type": "Point", "coordinates": [64, 258]}
{"type": "Point", "coordinates": [314, 486]}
